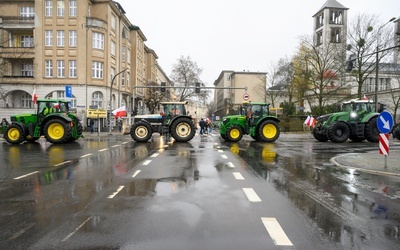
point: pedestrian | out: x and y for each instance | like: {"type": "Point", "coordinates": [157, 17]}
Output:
{"type": "Point", "coordinates": [210, 125]}
{"type": "Point", "coordinates": [202, 124]}
{"type": "Point", "coordinates": [91, 125]}
{"type": "Point", "coordinates": [4, 125]}
{"type": "Point", "coordinates": [120, 125]}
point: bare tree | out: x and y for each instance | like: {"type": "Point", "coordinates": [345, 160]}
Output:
{"type": "Point", "coordinates": [185, 74]}
{"type": "Point", "coordinates": [365, 35]}
{"type": "Point", "coordinates": [326, 65]}
{"type": "Point", "coordinates": [153, 96]}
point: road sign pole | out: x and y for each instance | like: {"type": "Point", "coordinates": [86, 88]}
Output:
{"type": "Point", "coordinates": [384, 146]}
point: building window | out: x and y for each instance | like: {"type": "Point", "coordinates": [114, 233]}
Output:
{"type": "Point", "coordinates": [98, 40]}
{"type": "Point", "coordinates": [320, 20]}
{"type": "Point", "coordinates": [335, 35]}
{"type": "Point", "coordinates": [48, 37]}
{"type": "Point", "coordinates": [319, 38]}
{"type": "Point", "coordinates": [60, 38]}
{"type": "Point", "coordinates": [27, 12]}
{"type": "Point", "coordinates": [48, 8]}
{"type": "Point", "coordinates": [113, 48]}
{"type": "Point", "coordinates": [384, 83]}
{"type": "Point", "coordinates": [72, 69]}
{"type": "Point", "coordinates": [123, 78]}
{"type": "Point", "coordinates": [27, 41]}
{"type": "Point", "coordinates": [97, 70]}
{"type": "Point", "coordinates": [127, 79]}
{"type": "Point", "coordinates": [123, 53]}
{"type": "Point", "coordinates": [112, 73]}
{"type": "Point", "coordinates": [60, 8]}
{"type": "Point", "coordinates": [60, 68]}
{"type": "Point", "coordinates": [97, 99]}
{"type": "Point", "coordinates": [48, 68]}
{"type": "Point", "coordinates": [72, 38]}
{"type": "Point", "coordinates": [26, 101]}
{"type": "Point", "coordinates": [336, 17]}
{"type": "Point", "coordinates": [113, 21]}
{"type": "Point", "coordinates": [27, 69]}
{"type": "Point", "coordinates": [72, 7]}
{"type": "Point", "coordinates": [128, 56]}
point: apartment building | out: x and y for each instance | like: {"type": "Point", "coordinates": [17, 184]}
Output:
{"type": "Point", "coordinates": [89, 45]}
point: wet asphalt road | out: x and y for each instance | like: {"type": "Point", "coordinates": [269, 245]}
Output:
{"type": "Point", "coordinates": [113, 193]}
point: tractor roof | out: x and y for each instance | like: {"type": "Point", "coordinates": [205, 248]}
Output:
{"type": "Point", "coordinates": [183, 103]}
{"type": "Point", "coordinates": [255, 103]}
{"type": "Point", "coordinates": [359, 101]}
{"type": "Point", "coordinates": [52, 100]}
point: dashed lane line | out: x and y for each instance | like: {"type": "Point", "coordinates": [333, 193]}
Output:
{"type": "Point", "coordinates": [26, 175]}
{"type": "Point", "coordinates": [104, 149]}
{"type": "Point", "coordinates": [154, 155]}
{"type": "Point", "coordinates": [251, 195]}
{"type": "Point", "coordinates": [136, 173]}
{"type": "Point", "coordinates": [276, 232]}
{"type": "Point", "coordinates": [76, 229]}
{"type": "Point", "coordinates": [238, 176]}
{"type": "Point", "coordinates": [224, 156]}
{"type": "Point", "coordinates": [230, 165]}
{"type": "Point", "coordinates": [116, 192]}
{"type": "Point", "coordinates": [145, 163]}
{"type": "Point", "coordinates": [86, 155]}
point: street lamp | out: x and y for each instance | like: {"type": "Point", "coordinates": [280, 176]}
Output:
{"type": "Point", "coordinates": [377, 63]}
{"type": "Point", "coordinates": [112, 82]}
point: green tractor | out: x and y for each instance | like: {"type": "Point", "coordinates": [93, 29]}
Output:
{"type": "Point", "coordinates": [396, 132]}
{"type": "Point", "coordinates": [172, 121]}
{"type": "Point", "coordinates": [254, 120]}
{"type": "Point", "coordinates": [52, 119]}
{"type": "Point", "coordinates": [357, 121]}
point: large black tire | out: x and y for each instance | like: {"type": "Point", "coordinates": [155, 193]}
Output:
{"type": "Point", "coordinates": [234, 133]}
{"type": "Point", "coordinates": [14, 134]}
{"type": "Point", "coordinates": [183, 129]}
{"type": "Point", "coordinates": [268, 131]}
{"type": "Point", "coordinates": [57, 131]}
{"type": "Point", "coordinates": [371, 130]}
{"type": "Point", "coordinates": [396, 133]}
{"type": "Point", "coordinates": [338, 132]}
{"type": "Point", "coordinates": [141, 131]}
{"type": "Point", "coordinates": [321, 137]}
{"type": "Point", "coordinates": [223, 136]}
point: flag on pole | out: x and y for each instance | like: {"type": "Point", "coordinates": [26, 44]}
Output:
{"type": "Point", "coordinates": [34, 95]}
{"type": "Point", "coordinates": [119, 112]}
{"type": "Point", "coordinates": [364, 98]}
{"type": "Point", "coordinates": [312, 121]}
{"type": "Point", "coordinates": [307, 120]}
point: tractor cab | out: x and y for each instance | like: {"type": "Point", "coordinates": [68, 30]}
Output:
{"type": "Point", "coordinates": [255, 111]}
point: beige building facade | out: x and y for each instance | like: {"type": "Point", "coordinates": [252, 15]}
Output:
{"type": "Point", "coordinates": [89, 45]}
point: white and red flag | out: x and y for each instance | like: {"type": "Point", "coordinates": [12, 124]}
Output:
{"type": "Point", "coordinates": [34, 95]}
{"type": "Point", "coordinates": [364, 98]}
{"type": "Point", "coordinates": [310, 121]}
{"type": "Point", "coordinates": [119, 112]}
{"type": "Point", "coordinates": [307, 120]}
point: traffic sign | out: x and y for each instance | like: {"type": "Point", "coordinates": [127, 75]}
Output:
{"type": "Point", "coordinates": [385, 122]}
{"type": "Point", "coordinates": [384, 144]}
{"type": "Point", "coordinates": [246, 97]}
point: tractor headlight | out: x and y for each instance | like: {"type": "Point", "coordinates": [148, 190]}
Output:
{"type": "Point", "coordinates": [353, 114]}
{"type": "Point", "coordinates": [225, 120]}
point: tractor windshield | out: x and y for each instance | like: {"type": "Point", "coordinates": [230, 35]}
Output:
{"type": "Point", "coordinates": [173, 109]}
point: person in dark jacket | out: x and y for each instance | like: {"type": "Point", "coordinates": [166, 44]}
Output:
{"type": "Point", "coordinates": [202, 124]}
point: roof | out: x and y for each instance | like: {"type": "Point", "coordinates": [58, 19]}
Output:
{"type": "Point", "coordinates": [331, 4]}
{"type": "Point", "coordinates": [359, 101]}
{"type": "Point", "coordinates": [51, 100]}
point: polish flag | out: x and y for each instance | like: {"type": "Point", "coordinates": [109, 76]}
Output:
{"type": "Point", "coordinates": [312, 122]}
{"type": "Point", "coordinates": [34, 95]}
{"type": "Point", "coordinates": [307, 120]}
{"type": "Point", "coordinates": [119, 112]}
{"type": "Point", "coordinates": [364, 98]}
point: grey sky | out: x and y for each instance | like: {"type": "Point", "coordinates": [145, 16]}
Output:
{"type": "Point", "coordinates": [233, 34]}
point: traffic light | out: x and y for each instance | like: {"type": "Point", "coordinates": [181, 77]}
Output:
{"type": "Point", "coordinates": [163, 86]}
{"type": "Point", "coordinates": [197, 87]}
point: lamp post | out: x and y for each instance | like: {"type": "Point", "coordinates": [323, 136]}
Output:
{"type": "Point", "coordinates": [377, 63]}
{"type": "Point", "coordinates": [112, 82]}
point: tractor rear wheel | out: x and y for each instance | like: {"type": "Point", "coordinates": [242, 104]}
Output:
{"type": "Point", "coordinates": [371, 130]}
{"type": "Point", "coordinates": [141, 131]}
{"type": "Point", "coordinates": [57, 131]}
{"type": "Point", "coordinates": [268, 131]}
{"type": "Point", "coordinates": [338, 132]}
{"type": "Point", "coordinates": [318, 135]}
{"type": "Point", "coordinates": [396, 133]}
{"type": "Point", "coordinates": [234, 133]}
{"type": "Point", "coordinates": [182, 129]}
{"type": "Point", "coordinates": [14, 134]}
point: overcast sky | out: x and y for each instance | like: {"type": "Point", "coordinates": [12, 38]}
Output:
{"type": "Point", "coordinates": [234, 34]}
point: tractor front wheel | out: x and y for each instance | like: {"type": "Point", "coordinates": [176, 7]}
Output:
{"type": "Point", "coordinates": [318, 135]}
{"type": "Point", "coordinates": [183, 130]}
{"type": "Point", "coordinates": [14, 134]}
{"type": "Point", "coordinates": [339, 132]}
{"type": "Point", "coordinates": [57, 131]}
{"type": "Point", "coordinates": [268, 131]}
{"type": "Point", "coordinates": [396, 133]}
{"type": "Point", "coordinates": [141, 131]}
{"type": "Point", "coordinates": [371, 130]}
{"type": "Point", "coordinates": [234, 133]}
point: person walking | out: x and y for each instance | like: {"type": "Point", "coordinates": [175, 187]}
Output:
{"type": "Point", "coordinates": [91, 126]}
{"type": "Point", "coordinates": [202, 124]}
{"type": "Point", "coordinates": [4, 125]}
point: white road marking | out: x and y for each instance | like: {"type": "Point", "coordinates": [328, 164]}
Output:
{"type": "Point", "coordinates": [224, 156]}
{"type": "Point", "coordinates": [238, 176]}
{"type": "Point", "coordinates": [220, 151]}
{"type": "Point", "coordinates": [125, 142]}
{"type": "Point", "coordinates": [154, 155]}
{"type": "Point", "coordinates": [104, 149]}
{"type": "Point", "coordinates": [116, 192]}
{"type": "Point", "coordinates": [276, 232]}
{"type": "Point", "coordinates": [136, 173]}
{"type": "Point", "coordinates": [76, 229]}
{"type": "Point", "coordinates": [62, 163]}
{"type": "Point", "coordinates": [230, 165]}
{"type": "Point", "coordinates": [83, 156]}
{"type": "Point", "coordinates": [146, 162]}
{"type": "Point", "coordinates": [116, 146]}
{"type": "Point", "coordinates": [160, 150]}
{"type": "Point", "coordinates": [23, 176]}
{"type": "Point", "coordinates": [251, 195]}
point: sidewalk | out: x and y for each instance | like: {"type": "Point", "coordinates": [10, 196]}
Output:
{"type": "Point", "coordinates": [371, 162]}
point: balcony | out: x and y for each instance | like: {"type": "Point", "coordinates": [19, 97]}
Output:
{"type": "Point", "coordinates": [17, 79]}
{"type": "Point", "coordinates": [17, 22]}
{"type": "Point", "coordinates": [17, 52]}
